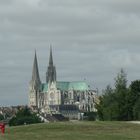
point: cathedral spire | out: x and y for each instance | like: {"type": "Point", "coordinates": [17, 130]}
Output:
{"type": "Point", "coordinates": [51, 57]}
{"type": "Point", "coordinates": [51, 71]}
{"type": "Point", "coordinates": [35, 72]}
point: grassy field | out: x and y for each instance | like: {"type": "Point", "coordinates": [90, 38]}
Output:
{"type": "Point", "coordinates": [74, 131]}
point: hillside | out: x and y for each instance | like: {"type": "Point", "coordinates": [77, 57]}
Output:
{"type": "Point", "coordinates": [74, 131]}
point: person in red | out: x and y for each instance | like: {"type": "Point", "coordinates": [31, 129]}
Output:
{"type": "Point", "coordinates": [2, 127]}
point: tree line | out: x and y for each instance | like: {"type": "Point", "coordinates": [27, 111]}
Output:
{"type": "Point", "coordinates": [120, 103]}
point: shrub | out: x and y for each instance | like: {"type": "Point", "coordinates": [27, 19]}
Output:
{"type": "Point", "coordinates": [24, 116]}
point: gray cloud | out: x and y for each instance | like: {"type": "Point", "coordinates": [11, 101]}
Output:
{"type": "Point", "coordinates": [92, 40]}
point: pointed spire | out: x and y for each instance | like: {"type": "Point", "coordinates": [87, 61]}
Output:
{"type": "Point", "coordinates": [51, 72]}
{"type": "Point", "coordinates": [35, 72]}
{"type": "Point", "coordinates": [51, 57]}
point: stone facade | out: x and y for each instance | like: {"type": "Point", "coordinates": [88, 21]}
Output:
{"type": "Point", "coordinates": [59, 97]}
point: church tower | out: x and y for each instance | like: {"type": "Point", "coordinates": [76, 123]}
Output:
{"type": "Point", "coordinates": [34, 84]}
{"type": "Point", "coordinates": [51, 71]}
{"type": "Point", "coordinates": [53, 96]}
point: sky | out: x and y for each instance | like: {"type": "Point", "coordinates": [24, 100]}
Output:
{"type": "Point", "coordinates": [92, 40]}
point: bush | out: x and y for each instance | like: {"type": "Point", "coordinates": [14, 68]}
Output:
{"type": "Point", "coordinates": [24, 116]}
{"type": "Point", "coordinates": [91, 116]}
{"type": "Point", "coordinates": [1, 117]}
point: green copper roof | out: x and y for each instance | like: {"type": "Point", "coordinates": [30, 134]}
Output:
{"type": "Point", "coordinates": [82, 86]}
{"type": "Point", "coordinates": [63, 85]}
{"type": "Point", "coordinates": [72, 86]}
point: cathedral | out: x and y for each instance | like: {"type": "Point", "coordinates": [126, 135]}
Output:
{"type": "Point", "coordinates": [59, 97]}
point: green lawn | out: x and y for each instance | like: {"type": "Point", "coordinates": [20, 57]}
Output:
{"type": "Point", "coordinates": [74, 131]}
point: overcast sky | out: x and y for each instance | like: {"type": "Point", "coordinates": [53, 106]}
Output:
{"type": "Point", "coordinates": [91, 39]}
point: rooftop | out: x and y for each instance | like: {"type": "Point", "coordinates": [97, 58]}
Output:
{"type": "Point", "coordinates": [64, 86]}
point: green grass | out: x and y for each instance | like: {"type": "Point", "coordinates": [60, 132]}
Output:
{"type": "Point", "coordinates": [74, 131]}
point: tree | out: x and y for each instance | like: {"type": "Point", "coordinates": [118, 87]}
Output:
{"type": "Point", "coordinates": [135, 91]}
{"type": "Point", "coordinates": [136, 110]}
{"type": "Point", "coordinates": [114, 102]}
{"type": "Point", "coordinates": [122, 93]}
{"type": "Point", "coordinates": [24, 116]}
{"type": "Point", "coordinates": [135, 99]}
{"type": "Point", "coordinates": [120, 103]}
{"type": "Point", "coordinates": [107, 109]}
{"type": "Point", "coordinates": [121, 81]}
